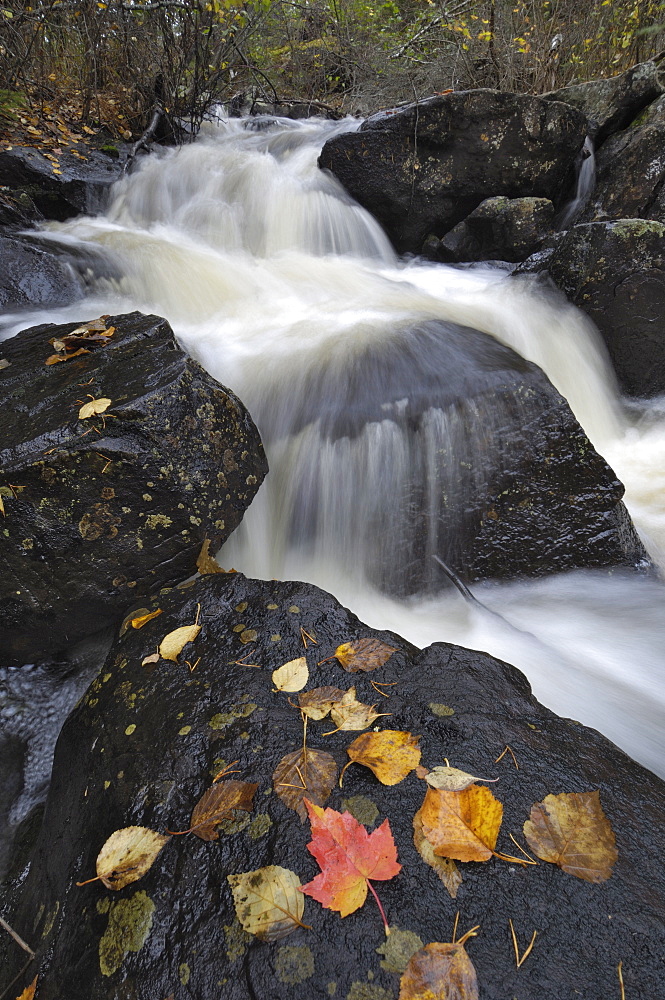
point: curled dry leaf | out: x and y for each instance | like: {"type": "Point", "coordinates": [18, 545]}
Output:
{"type": "Point", "coordinates": [451, 779]}
{"type": "Point", "coordinates": [572, 831]}
{"type": "Point", "coordinates": [153, 658]}
{"type": "Point", "coordinates": [390, 754]}
{"type": "Point", "coordinates": [439, 972]}
{"type": "Point", "coordinates": [215, 805]}
{"type": "Point", "coordinates": [316, 704]}
{"type": "Point", "coordinates": [268, 902]}
{"type": "Point", "coordinates": [363, 654]}
{"type": "Point", "coordinates": [462, 825]}
{"type": "Point", "coordinates": [351, 714]}
{"type": "Point", "coordinates": [138, 618]}
{"type": "Point", "coordinates": [127, 855]}
{"type": "Point", "coordinates": [54, 358]}
{"type": "Point", "coordinates": [206, 563]}
{"type": "Point", "coordinates": [29, 992]}
{"type": "Point", "coordinates": [445, 868]}
{"type": "Point", "coordinates": [94, 408]}
{"type": "Point", "coordinates": [174, 642]}
{"type": "Point", "coordinates": [310, 773]}
{"type": "Point", "coordinates": [291, 676]}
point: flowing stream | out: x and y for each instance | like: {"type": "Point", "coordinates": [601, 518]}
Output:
{"type": "Point", "coordinates": [277, 282]}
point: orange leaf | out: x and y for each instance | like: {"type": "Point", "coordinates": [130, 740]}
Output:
{"type": "Point", "coordinates": [462, 825]}
{"type": "Point", "coordinates": [348, 856]}
{"type": "Point", "coordinates": [390, 754]}
{"type": "Point", "coordinates": [29, 992]}
{"type": "Point", "coordinates": [216, 803]}
{"type": "Point", "coordinates": [572, 831]}
{"type": "Point", "coordinates": [305, 772]}
{"type": "Point", "coordinates": [363, 654]}
{"type": "Point", "coordinates": [439, 972]}
{"type": "Point", "coordinates": [445, 868]}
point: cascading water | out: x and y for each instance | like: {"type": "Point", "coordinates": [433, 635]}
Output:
{"type": "Point", "coordinates": [278, 283]}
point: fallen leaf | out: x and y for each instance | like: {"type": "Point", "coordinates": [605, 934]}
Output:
{"type": "Point", "coordinates": [4, 363]}
{"type": "Point", "coordinates": [305, 772]}
{"type": "Point", "coordinates": [348, 856]}
{"type": "Point", "coordinates": [2, 507]}
{"type": "Point", "coordinates": [390, 754]}
{"type": "Point", "coordinates": [173, 643]}
{"type": "Point", "coordinates": [268, 902]}
{"type": "Point", "coordinates": [140, 620]}
{"type": "Point", "coordinates": [29, 992]}
{"type": "Point", "coordinates": [127, 855]}
{"type": "Point", "coordinates": [462, 825]}
{"type": "Point", "coordinates": [451, 779]}
{"type": "Point", "coordinates": [439, 972]}
{"type": "Point", "coordinates": [572, 831]}
{"type": "Point", "coordinates": [94, 408]}
{"type": "Point", "coordinates": [215, 805]}
{"type": "Point", "coordinates": [363, 654]}
{"type": "Point", "coordinates": [291, 676]}
{"type": "Point", "coordinates": [206, 563]}
{"type": "Point", "coordinates": [316, 704]}
{"type": "Point", "coordinates": [348, 713]}
{"type": "Point", "coordinates": [445, 868]}
{"type": "Point", "coordinates": [153, 658]}
{"type": "Point", "coordinates": [54, 358]}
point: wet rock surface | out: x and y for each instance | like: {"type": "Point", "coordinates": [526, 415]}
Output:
{"type": "Point", "coordinates": [32, 276]}
{"type": "Point", "coordinates": [611, 105]}
{"type": "Point", "coordinates": [102, 510]}
{"type": "Point", "coordinates": [422, 169]}
{"type": "Point", "coordinates": [509, 229]}
{"type": "Point", "coordinates": [615, 273]}
{"type": "Point", "coordinates": [144, 744]}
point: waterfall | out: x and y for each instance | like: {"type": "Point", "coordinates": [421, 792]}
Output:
{"type": "Point", "coordinates": [289, 293]}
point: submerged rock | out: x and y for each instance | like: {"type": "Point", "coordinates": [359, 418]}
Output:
{"type": "Point", "coordinates": [422, 169]}
{"type": "Point", "coordinates": [104, 508]}
{"type": "Point", "coordinates": [146, 742]}
{"type": "Point", "coordinates": [615, 272]}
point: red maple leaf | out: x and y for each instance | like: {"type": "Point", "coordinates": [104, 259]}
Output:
{"type": "Point", "coordinates": [348, 856]}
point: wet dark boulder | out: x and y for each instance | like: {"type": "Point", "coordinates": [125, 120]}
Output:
{"type": "Point", "coordinates": [32, 276]}
{"type": "Point", "coordinates": [509, 229]}
{"type": "Point", "coordinates": [615, 272]}
{"type": "Point", "coordinates": [423, 168]}
{"type": "Point", "coordinates": [17, 211]}
{"type": "Point", "coordinates": [146, 742]}
{"type": "Point", "coordinates": [105, 508]}
{"type": "Point", "coordinates": [612, 104]}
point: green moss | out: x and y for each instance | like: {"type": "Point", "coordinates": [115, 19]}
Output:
{"type": "Point", "coordinates": [130, 923]}
{"type": "Point", "coordinates": [294, 965]}
{"type": "Point", "coordinates": [110, 150]}
{"type": "Point", "coordinates": [184, 972]}
{"type": "Point", "coordinates": [368, 991]}
{"type": "Point", "coordinates": [259, 826]}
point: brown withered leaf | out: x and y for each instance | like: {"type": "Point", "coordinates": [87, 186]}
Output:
{"type": "Point", "coordinates": [304, 773]}
{"type": "Point", "coordinates": [316, 704]}
{"type": "Point", "coordinates": [291, 676]}
{"type": "Point", "coordinates": [451, 779]}
{"type": "Point", "coordinates": [268, 902]}
{"type": "Point", "coordinates": [439, 972]}
{"type": "Point", "coordinates": [127, 855]}
{"type": "Point", "coordinates": [390, 754]}
{"type": "Point", "coordinates": [350, 714]}
{"type": "Point", "coordinates": [445, 868]}
{"type": "Point", "coordinates": [29, 992]}
{"type": "Point", "coordinates": [215, 805]}
{"type": "Point", "coordinates": [54, 358]}
{"type": "Point", "coordinates": [572, 831]}
{"type": "Point", "coordinates": [363, 654]}
{"type": "Point", "coordinates": [94, 408]}
{"type": "Point", "coordinates": [206, 563]}
{"type": "Point", "coordinates": [174, 642]}
{"type": "Point", "coordinates": [462, 825]}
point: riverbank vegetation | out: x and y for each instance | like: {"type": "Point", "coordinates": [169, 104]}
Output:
{"type": "Point", "coordinates": [109, 63]}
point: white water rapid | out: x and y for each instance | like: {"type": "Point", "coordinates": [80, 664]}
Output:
{"type": "Point", "coordinates": [275, 281]}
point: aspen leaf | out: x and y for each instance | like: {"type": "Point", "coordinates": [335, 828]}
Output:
{"type": "Point", "coordinates": [348, 856]}
{"type": "Point", "coordinates": [462, 825]}
{"type": "Point", "coordinates": [173, 643]}
{"type": "Point", "coordinates": [268, 902]}
{"type": "Point", "coordinates": [305, 772]}
{"type": "Point", "coordinates": [29, 992]}
{"type": "Point", "coordinates": [363, 654]}
{"type": "Point", "coordinates": [153, 658]}
{"type": "Point", "coordinates": [138, 621]}
{"type": "Point", "coordinates": [572, 831]}
{"type": "Point", "coordinates": [215, 805]}
{"type": "Point", "coordinates": [206, 563]}
{"type": "Point", "coordinates": [350, 714]}
{"type": "Point", "coordinates": [127, 855]}
{"type": "Point", "coordinates": [390, 754]}
{"type": "Point", "coordinates": [94, 408]}
{"type": "Point", "coordinates": [451, 779]}
{"type": "Point", "coordinates": [439, 972]}
{"type": "Point", "coordinates": [316, 704]}
{"type": "Point", "coordinates": [445, 868]}
{"type": "Point", "coordinates": [291, 676]}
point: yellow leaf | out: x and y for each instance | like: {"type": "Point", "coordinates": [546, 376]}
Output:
{"type": "Point", "coordinates": [173, 643]}
{"type": "Point", "coordinates": [572, 831]}
{"type": "Point", "coordinates": [140, 620]}
{"type": "Point", "coordinates": [445, 868]}
{"type": "Point", "coordinates": [363, 654]}
{"type": "Point", "coordinates": [94, 408]}
{"type": "Point", "coordinates": [29, 992]}
{"type": "Point", "coordinates": [350, 714]}
{"type": "Point", "coordinates": [439, 972]}
{"type": "Point", "coordinates": [206, 563]}
{"type": "Point", "coordinates": [2, 507]}
{"type": "Point", "coordinates": [451, 779]}
{"type": "Point", "coordinates": [390, 754]}
{"type": "Point", "coordinates": [127, 855]}
{"type": "Point", "coordinates": [316, 704]}
{"type": "Point", "coordinates": [291, 676]}
{"type": "Point", "coordinates": [268, 902]}
{"type": "Point", "coordinates": [462, 825]}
